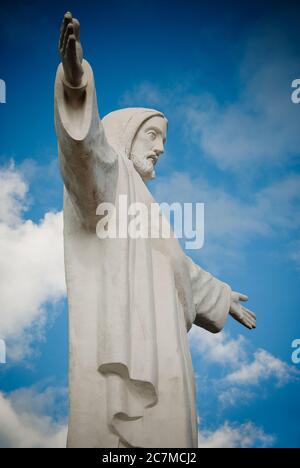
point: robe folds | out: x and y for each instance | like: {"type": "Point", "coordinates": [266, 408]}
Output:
{"type": "Point", "coordinates": [131, 301]}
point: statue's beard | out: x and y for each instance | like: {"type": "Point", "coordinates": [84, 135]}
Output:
{"type": "Point", "coordinates": [143, 165]}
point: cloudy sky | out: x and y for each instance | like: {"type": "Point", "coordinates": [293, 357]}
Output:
{"type": "Point", "coordinates": [222, 74]}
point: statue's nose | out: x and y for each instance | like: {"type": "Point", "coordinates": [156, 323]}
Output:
{"type": "Point", "coordinates": [159, 149]}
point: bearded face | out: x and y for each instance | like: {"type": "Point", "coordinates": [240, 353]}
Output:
{"type": "Point", "coordinates": [148, 146]}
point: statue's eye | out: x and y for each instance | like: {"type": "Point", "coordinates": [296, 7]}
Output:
{"type": "Point", "coordinates": [152, 134]}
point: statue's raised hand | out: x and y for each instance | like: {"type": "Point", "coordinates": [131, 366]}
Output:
{"type": "Point", "coordinates": [70, 50]}
{"type": "Point", "coordinates": [240, 313]}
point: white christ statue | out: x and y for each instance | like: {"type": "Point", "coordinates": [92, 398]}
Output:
{"type": "Point", "coordinates": [131, 300]}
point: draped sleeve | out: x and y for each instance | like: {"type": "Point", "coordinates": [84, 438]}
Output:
{"type": "Point", "coordinates": [88, 164]}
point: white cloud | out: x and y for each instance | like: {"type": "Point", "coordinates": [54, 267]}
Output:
{"type": "Point", "coordinates": [241, 369]}
{"type": "Point", "coordinates": [24, 423]}
{"type": "Point", "coordinates": [230, 395]}
{"type": "Point", "coordinates": [219, 348]}
{"type": "Point", "coordinates": [263, 367]}
{"type": "Point", "coordinates": [31, 265]}
{"type": "Point", "coordinates": [13, 190]}
{"type": "Point", "coordinates": [235, 436]}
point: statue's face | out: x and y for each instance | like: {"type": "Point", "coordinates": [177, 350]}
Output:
{"type": "Point", "coordinates": [148, 145]}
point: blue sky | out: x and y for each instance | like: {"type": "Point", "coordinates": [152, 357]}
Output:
{"type": "Point", "coordinates": [222, 74]}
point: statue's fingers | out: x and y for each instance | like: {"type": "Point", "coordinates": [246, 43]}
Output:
{"type": "Point", "coordinates": [252, 314]}
{"type": "Point", "coordinates": [235, 310]}
{"type": "Point", "coordinates": [239, 309]}
{"type": "Point", "coordinates": [76, 26]}
{"type": "Point", "coordinates": [248, 315]}
{"type": "Point", "coordinates": [243, 297]}
{"type": "Point", "coordinates": [69, 32]}
{"type": "Point", "coordinates": [246, 323]}
{"type": "Point", "coordinates": [251, 320]}
{"type": "Point", "coordinates": [235, 295]}
{"type": "Point", "coordinates": [251, 323]}
{"type": "Point", "coordinates": [242, 316]}
{"type": "Point", "coordinates": [66, 21]}
{"type": "Point", "coordinates": [71, 48]}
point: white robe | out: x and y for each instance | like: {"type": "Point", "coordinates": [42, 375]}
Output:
{"type": "Point", "coordinates": [131, 302]}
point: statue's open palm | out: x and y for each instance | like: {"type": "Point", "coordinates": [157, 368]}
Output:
{"type": "Point", "coordinates": [70, 50]}
{"type": "Point", "coordinates": [240, 313]}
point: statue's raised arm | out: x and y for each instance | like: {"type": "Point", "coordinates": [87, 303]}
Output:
{"type": "Point", "coordinates": [88, 163]}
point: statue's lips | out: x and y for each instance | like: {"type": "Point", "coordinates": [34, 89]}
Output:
{"type": "Point", "coordinates": [153, 158]}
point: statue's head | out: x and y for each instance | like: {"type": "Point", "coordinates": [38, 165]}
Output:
{"type": "Point", "coordinates": [148, 146]}
{"type": "Point", "coordinates": [140, 134]}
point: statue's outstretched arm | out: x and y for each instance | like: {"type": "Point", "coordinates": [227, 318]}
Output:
{"type": "Point", "coordinates": [88, 164]}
